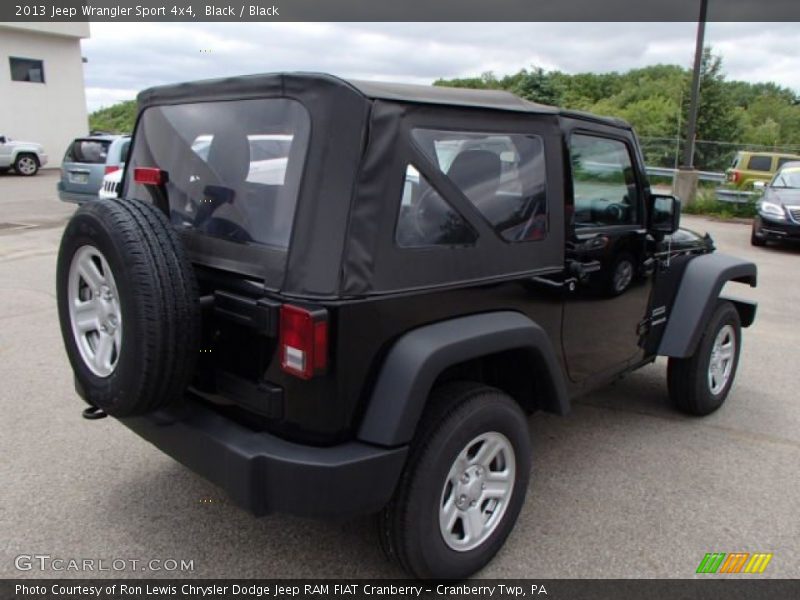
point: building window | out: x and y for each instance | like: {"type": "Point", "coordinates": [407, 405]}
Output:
{"type": "Point", "coordinates": [26, 69]}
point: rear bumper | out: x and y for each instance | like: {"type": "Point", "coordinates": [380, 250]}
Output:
{"type": "Point", "coordinates": [264, 474]}
{"type": "Point", "coordinates": [75, 197]}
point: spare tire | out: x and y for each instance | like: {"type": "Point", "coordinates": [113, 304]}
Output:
{"type": "Point", "coordinates": [128, 306]}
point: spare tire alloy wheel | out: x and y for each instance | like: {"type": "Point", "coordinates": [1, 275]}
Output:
{"type": "Point", "coordinates": [94, 310]}
{"type": "Point", "coordinates": [128, 307]}
{"type": "Point", "coordinates": [477, 491]}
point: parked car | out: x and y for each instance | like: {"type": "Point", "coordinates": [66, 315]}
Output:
{"type": "Point", "coordinates": [367, 332]}
{"type": "Point", "coordinates": [749, 167]}
{"type": "Point", "coordinates": [778, 210]}
{"type": "Point", "coordinates": [110, 187]}
{"type": "Point", "coordinates": [26, 158]}
{"type": "Point", "coordinates": [87, 161]}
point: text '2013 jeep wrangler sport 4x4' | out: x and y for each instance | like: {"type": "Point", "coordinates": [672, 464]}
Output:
{"type": "Point", "coordinates": [338, 298]}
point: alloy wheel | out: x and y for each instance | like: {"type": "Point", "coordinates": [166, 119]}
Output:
{"type": "Point", "coordinates": [477, 491]}
{"type": "Point", "coordinates": [723, 353]}
{"type": "Point", "coordinates": [95, 311]}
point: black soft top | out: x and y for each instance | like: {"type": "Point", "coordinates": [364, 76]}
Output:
{"type": "Point", "coordinates": [291, 83]}
{"type": "Point", "coordinates": [353, 177]}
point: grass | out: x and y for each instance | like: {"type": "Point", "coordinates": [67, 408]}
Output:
{"type": "Point", "coordinates": [707, 204]}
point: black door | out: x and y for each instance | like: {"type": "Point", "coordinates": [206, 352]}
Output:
{"type": "Point", "coordinates": [606, 254]}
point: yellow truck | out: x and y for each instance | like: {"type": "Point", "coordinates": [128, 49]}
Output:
{"type": "Point", "coordinates": [748, 167]}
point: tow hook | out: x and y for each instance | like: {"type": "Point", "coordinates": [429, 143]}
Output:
{"type": "Point", "coordinates": [93, 413]}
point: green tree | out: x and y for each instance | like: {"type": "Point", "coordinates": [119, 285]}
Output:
{"type": "Point", "coordinates": [535, 85]}
{"type": "Point", "coordinates": [118, 118]}
{"type": "Point", "coordinates": [717, 117]}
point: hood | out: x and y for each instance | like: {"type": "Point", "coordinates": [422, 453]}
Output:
{"type": "Point", "coordinates": [688, 240]}
{"type": "Point", "coordinates": [782, 195]}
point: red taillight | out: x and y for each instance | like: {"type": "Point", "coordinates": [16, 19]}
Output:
{"type": "Point", "coordinates": [111, 169]}
{"type": "Point", "coordinates": [303, 341]}
{"type": "Point", "coordinates": [149, 176]}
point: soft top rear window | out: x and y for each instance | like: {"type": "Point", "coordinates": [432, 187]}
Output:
{"type": "Point", "coordinates": [234, 167]}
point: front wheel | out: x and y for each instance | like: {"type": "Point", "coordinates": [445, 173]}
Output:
{"type": "Point", "coordinates": [621, 274]}
{"type": "Point", "coordinates": [755, 239]}
{"type": "Point", "coordinates": [26, 165]}
{"type": "Point", "coordinates": [463, 486]}
{"type": "Point", "coordinates": [699, 384]}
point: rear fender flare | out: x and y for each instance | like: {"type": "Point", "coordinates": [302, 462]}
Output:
{"type": "Point", "coordinates": [418, 357]}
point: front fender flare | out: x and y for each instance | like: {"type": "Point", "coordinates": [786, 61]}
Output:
{"type": "Point", "coordinates": [419, 356]}
{"type": "Point", "coordinates": [697, 295]}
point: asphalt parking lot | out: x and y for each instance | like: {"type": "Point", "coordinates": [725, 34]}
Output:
{"type": "Point", "coordinates": [623, 487]}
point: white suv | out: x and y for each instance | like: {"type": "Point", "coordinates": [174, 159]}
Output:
{"type": "Point", "coordinates": [24, 157]}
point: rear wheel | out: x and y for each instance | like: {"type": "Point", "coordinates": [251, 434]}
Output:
{"type": "Point", "coordinates": [699, 384]}
{"type": "Point", "coordinates": [26, 165]}
{"type": "Point", "coordinates": [128, 307]}
{"type": "Point", "coordinates": [463, 486]}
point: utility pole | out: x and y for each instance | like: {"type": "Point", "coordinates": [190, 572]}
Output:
{"type": "Point", "coordinates": [684, 185]}
{"type": "Point", "coordinates": [691, 130]}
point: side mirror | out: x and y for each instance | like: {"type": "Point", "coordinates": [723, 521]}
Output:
{"type": "Point", "coordinates": [2, 139]}
{"type": "Point", "coordinates": [759, 186]}
{"type": "Point", "coordinates": [665, 214]}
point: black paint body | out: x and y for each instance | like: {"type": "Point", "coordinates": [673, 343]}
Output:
{"type": "Point", "coordinates": [343, 259]}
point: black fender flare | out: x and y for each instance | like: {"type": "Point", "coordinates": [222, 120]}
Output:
{"type": "Point", "coordinates": [697, 295]}
{"type": "Point", "coordinates": [418, 357]}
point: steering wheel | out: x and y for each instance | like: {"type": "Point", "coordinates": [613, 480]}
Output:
{"type": "Point", "coordinates": [426, 214]}
{"type": "Point", "coordinates": [616, 213]}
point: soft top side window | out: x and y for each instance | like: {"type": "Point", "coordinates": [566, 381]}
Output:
{"type": "Point", "coordinates": [427, 219]}
{"type": "Point", "coordinates": [502, 175]}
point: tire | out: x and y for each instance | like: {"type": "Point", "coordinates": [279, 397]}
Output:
{"type": "Point", "coordinates": [26, 165]}
{"type": "Point", "coordinates": [134, 343]}
{"type": "Point", "coordinates": [691, 387]}
{"type": "Point", "coordinates": [621, 274]}
{"type": "Point", "coordinates": [754, 239]}
{"type": "Point", "coordinates": [462, 417]}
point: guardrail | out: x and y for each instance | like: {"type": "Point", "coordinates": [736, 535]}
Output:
{"type": "Point", "coordinates": [701, 175]}
{"type": "Point", "coordinates": [722, 194]}
{"type": "Point", "coordinates": [736, 196]}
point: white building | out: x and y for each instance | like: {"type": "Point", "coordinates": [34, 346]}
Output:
{"type": "Point", "coordinates": [42, 96]}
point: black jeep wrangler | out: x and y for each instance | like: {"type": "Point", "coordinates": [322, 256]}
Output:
{"type": "Point", "coordinates": [338, 298]}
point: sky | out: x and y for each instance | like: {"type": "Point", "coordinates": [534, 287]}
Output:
{"type": "Point", "coordinates": [124, 58]}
